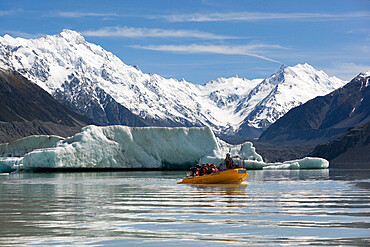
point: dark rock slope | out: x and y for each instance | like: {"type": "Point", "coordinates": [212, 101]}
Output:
{"type": "Point", "coordinates": [351, 150]}
{"type": "Point", "coordinates": [26, 109]}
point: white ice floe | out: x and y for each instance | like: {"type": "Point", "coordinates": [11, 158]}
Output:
{"type": "Point", "coordinates": [8, 164]}
{"type": "Point", "coordinates": [25, 145]}
{"type": "Point", "coordinates": [305, 163]}
{"type": "Point", "coordinates": [144, 148]}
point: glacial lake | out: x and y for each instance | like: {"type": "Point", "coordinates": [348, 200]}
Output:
{"type": "Point", "coordinates": [148, 208]}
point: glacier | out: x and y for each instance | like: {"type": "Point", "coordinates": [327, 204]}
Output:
{"type": "Point", "coordinates": [122, 147]}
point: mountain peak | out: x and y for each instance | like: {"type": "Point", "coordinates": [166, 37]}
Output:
{"type": "Point", "coordinates": [71, 36]}
{"type": "Point", "coordinates": [298, 66]}
{"type": "Point", "coordinates": [8, 37]}
{"type": "Point", "coordinates": [282, 67]}
{"type": "Point", "coordinates": [303, 71]}
{"type": "Point", "coordinates": [304, 65]}
{"type": "Point", "coordinates": [365, 74]}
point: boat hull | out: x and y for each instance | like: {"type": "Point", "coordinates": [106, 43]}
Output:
{"type": "Point", "coordinates": [224, 177]}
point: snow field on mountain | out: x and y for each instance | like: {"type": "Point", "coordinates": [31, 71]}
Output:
{"type": "Point", "coordinates": [222, 97]}
{"type": "Point", "coordinates": [225, 103]}
{"type": "Point", "coordinates": [290, 87]}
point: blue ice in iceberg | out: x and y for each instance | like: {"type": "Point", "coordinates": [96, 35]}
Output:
{"type": "Point", "coordinates": [9, 164]}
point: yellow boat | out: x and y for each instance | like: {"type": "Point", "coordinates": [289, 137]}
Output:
{"type": "Point", "coordinates": [223, 177]}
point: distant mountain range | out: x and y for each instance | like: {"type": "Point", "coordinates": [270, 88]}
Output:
{"type": "Point", "coordinates": [100, 86]}
{"type": "Point", "coordinates": [324, 118]}
{"type": "Point", "coordinates": [26, 109]}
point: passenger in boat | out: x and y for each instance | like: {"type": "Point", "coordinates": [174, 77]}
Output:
{"type": "Point", "coordinates": [213, 168]}
{"type": "Point", "coordinates": [208, 169]}
{"type": "Point", "coordinates": [202, 170]}
{"type": "Point", "coordinates": [198, 168]}
{"type": "Point", "coordinates": [228, 162]}
{"type": "Point", "coordinates": [205, 169]}
{"type": "Point", "coordinates": [193, 171]}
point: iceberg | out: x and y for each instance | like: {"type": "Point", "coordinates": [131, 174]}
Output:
{"type": "Point", "coordinates": [10, 164]}
{"type": "Point", "coordinates": [127, 147]}
{"type": "Point", "coordinates": [122, 147]}
{"type": "Point", "coordinates": [305, 163]}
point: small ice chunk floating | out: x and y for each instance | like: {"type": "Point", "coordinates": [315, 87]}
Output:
{"type": "Point", "coordinates": [122, 147]}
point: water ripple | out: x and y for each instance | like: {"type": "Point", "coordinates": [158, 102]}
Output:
{"type": "Point", "coordinates": [82, 210]}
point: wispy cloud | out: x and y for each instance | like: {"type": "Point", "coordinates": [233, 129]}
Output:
{"type": "Point", "coordinates": [83, 14]}
{"type": "Point", "coordinates": [246, 50]}
{"type": "Point", "coordinates": [220, 16]}
{"type": "Point", "coordinates": [261, 16]}
{"type": "Point", "coordinates": [131, 32]}
{"type": "Point", "coordinates": [3, 13]}
{"type": "Point", "coordinates": [346, 71]}
{"type": "Point", "coordinates": [25, 35]}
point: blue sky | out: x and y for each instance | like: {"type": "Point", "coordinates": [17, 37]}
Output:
{"type": "Point", "coordinates": [204, 40]}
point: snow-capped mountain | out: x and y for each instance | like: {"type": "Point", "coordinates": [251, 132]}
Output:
{"type": "Point", "coordinates": [324, 118]}
{"type": "Point", "coordinates": [88, 78]}
{"type": "Point", "coordinates": [289, 87]}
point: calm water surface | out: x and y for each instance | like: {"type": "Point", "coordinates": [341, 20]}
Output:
{"type": "Point", "coordinates": [306, 207]}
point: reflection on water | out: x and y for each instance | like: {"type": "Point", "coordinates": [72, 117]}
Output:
{"type": "Point", "coordinates": [282, 207]}
{"type": "Point", "coordinates": [289, 175]}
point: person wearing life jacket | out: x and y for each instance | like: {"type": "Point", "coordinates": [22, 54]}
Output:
{"type": "Point", "coordinates": [229, 162]}
{"type": "Point", "coordinates": [202, 170]}
{"type": "Point", "coordinates": [193, 171]}
{"type": "Point", "coordinates": [208, 169]}
{"type": "Point", "coordinates": [213, 168]}
{"type": "Point", "coordinates": [197, 170]}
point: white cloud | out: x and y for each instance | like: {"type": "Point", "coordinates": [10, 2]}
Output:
{"type": "Point", "coordinates": [84, 14]}
{"type": "Point", "coordinates": [260, 16]}
{"type": "Point", "coordinates": [3, 13]}
{"type": "Point", "coordinates": [346, 71]}
{"type": "Point", "coordinates": [246, 50]}
{"type": "Point", "coordinates": [130, 32]}
{"type": "Point", "coordinates": [219, 16]}
{"type": "Point", "coordinates": [24, 35]}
